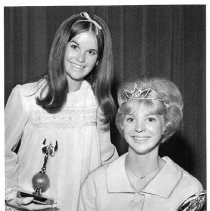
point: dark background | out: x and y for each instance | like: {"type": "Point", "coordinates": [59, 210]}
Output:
{"type": "Point", "coordinates": [162, 40]}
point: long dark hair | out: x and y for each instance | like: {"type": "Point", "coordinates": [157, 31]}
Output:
{"type": "Point", "coordinates": [100, 77]}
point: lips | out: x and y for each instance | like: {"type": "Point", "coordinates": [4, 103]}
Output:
{"type": "Point", "coordinates": [77, 66]}
{"type": "Point", "coordinates": [141, 138]}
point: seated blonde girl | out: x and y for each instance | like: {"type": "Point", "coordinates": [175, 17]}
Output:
{"type": "Point", "coordinates": [150, 111]}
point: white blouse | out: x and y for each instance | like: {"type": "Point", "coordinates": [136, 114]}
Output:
{"type": "Point", "coordinates": [108, 189]}
{"type": "Point", "coordinates": [83, 142]}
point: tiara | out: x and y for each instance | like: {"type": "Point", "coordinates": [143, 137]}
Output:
{"type": "Point", "coordinates": [139, 94]}
{"type": "Point", "coordinates": [89, 19]}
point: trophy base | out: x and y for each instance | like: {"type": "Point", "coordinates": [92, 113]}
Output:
{"type": "Point", "coordinates": [37, 199]}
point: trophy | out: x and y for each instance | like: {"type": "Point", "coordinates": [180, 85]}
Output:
{"type": "Point", "coordinates": [40, 180]}
{"type": "Point", "coordinates": [196, 202]}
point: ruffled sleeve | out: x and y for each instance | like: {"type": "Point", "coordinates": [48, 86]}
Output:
{"type": "Point", "coordinates": [15, 120]}
{"type": "Point", "coordinates": [108, 150]}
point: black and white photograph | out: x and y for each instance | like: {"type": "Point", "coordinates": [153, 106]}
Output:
{"type": "Point", "coordinates": [105, 107]}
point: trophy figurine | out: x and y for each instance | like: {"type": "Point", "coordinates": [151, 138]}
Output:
{"type": "Point", "coordinates": [40, 180]}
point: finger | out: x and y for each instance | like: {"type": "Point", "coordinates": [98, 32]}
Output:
{"type": "Point", "coordinates": [25, 200]}
{"type": "Point", "coordinates": [36, 206]}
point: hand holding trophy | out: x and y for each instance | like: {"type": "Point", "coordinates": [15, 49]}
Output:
{"type": "Point", "coordinates": [40, 180]}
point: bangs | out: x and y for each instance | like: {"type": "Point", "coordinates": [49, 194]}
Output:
{"type": "Point", "coordinates": [152, 107]}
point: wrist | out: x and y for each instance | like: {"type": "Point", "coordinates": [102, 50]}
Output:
{"type": "Point", "coordinates": [10, 194]}
{"type": "Point", "coordinates": [12, 203]}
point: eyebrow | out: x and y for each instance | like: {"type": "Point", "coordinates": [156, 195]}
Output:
{"type": "Point", "coordinates": [92, 49]}
{"type": "Point", "coordinates": [73, 41]}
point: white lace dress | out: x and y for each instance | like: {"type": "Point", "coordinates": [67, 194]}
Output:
{"type": "Point", "coordinates": [83, 143]}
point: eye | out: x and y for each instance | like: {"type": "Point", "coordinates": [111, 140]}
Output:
{"type": "Point", "coordinates": [151, 119]}
{"type": "Point", "coordinates": [74, 46]}
{"type": "Point", "coordinates": [92, 52]}
{"type": "Point", "coordinates": [129, 119]}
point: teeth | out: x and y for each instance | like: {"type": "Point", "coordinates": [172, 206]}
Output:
{"type": "Point", "coordinates": [140, 139]}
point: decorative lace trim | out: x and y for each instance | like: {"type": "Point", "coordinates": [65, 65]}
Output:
{"type": "Point", "coordinates": [69, 117]}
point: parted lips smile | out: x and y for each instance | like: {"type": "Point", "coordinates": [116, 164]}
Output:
{"type": "Point", "coordinates": [141, 138]}
{"type": "Point", "coordinates": [77, 66]}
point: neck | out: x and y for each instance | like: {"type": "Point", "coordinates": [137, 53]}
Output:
{"type": "Point", "coordinates": [73, 85]}
{"type": "Point", "coordinates": [143, 165]}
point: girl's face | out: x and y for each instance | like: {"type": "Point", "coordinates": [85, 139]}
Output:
{"type": "Point", "coordinates": [143, 129]}
{"type": "Point", "coordinates": [81, 55]}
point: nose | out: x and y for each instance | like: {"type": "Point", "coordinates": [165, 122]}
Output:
{"type": "Point", "coordinates": [140, 126]}
{"type": "Point", "coordinates": [81, 56]}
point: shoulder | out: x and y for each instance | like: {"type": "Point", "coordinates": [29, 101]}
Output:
{"type": "Point", "coordinates": [187, 183]}
{"type": "Point", "coordinates": [98, 174]}
{"type": "Point", "coordinates": [108, 172]}
{"type": "Point", "coordinates": [191, 182]}
{"type": "Point", "coordinates": [101, 172]}
{"type": "Point", "coordinates": [189, 191]}
{"type": "Point", "coordinates": [25, 93]}
{"type": "Point", "coordinates": [95, 180]}
{"type": "Point", "coordinates": [33, 88]}
{"type": "Point", "coordinates": [28, 90]}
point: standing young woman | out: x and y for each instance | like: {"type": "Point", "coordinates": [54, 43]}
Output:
{"type": "Point", "coordinates": [70, 108]}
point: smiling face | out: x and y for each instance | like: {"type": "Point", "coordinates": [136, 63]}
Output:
{"type": "Point", "coordinates": [142, 128]}
{"type": "Point", "coordinates": [80, 56]}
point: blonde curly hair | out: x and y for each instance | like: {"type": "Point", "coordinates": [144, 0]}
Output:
{"type": "Point", "coordinates": [165, 99]}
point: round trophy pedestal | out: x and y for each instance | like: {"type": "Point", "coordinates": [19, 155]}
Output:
{"type": "Point", "coordinates": [40, 182]}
